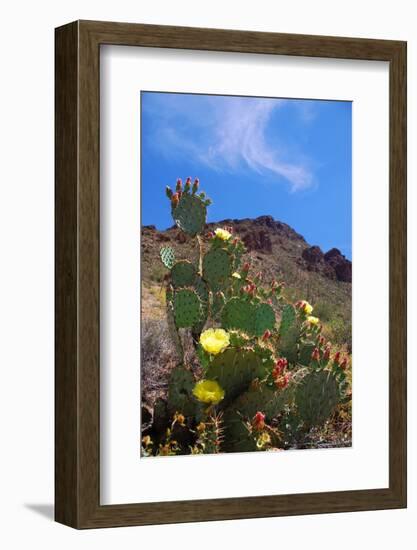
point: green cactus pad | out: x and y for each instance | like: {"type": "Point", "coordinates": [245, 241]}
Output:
{"type": "Point", "coordinates": [180, 388]}
{"type": "Point", "coordinates": [167, 255]}
{"type": "Point", "coordinates": [237, 436]}
{"type": "Point", "coordinates": [183, 273]}
{"type": "Point", "coordinates": [288, 317]}
{"type": "Point", "coordinates": [190, 214]}
{"type": "Point", "coordinates": [187, 308]}
{"type": "Point", "coordinates": [264, 319]}
{"type": "Point", "coordinates": [235, 369]}
{"type": "Point", "coordinates": [217, 303]}
{"type": "Point", "coordinates": [263, 399]}
{"type": "Point", "coordinates": [200, 288]}
{"type": "Point", "coordinates": [288, 344]}
{"type": "Point", "coordinates": [239, 314]}
{"type": "Point", "coordinates": [173, 331]}
{"type": "Point", "coordinates": [217, 267]}
{"type": "Point", "coordinates": [305, 351]}
{"type": "Point", "coordinates": [316, 397]}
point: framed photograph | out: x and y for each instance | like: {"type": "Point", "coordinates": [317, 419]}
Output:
{"type": "Point", "coordinates": [230, 274]}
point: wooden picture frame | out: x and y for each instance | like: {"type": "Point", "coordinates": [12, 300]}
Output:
{"type": "Point", "coordinates": [77, 404]}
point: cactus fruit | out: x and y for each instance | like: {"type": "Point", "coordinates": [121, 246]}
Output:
{"type": "Point", "coordinates": [217, 267]}
{"type": "Point", "coordinates": [187, 308]}
{"type": "Point", "coordinates": [316, 397]}
{"type": "Point", "coordinates": [190, 214]}
{"type": "Point", "coordinates": [183, 273]}
{"type": "Point", "coordinates": [167, 256]}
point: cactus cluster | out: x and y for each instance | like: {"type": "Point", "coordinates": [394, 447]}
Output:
{"type": "Point", "coordinates": [265, 364]}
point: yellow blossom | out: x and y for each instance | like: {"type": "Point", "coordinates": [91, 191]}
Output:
{"type": "Point", "coordinates": [263, 440]}
{"type": "Point", "coordinates": [306, 307]}
{"type": "Point", "coordinates": [214, 341]}
{"type": "Point", "coordinates": [222, 234]}
{"type": "Point", "coordinates": [313, 320]}
{"type": "Point", "coordinates": [208, 391]}
{"type": "Point", "coordinates": [236, 275]}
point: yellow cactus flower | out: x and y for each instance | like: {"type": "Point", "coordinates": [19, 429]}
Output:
{"type": "Point", "coordinates": [263, 440]}
{"type": "Point", "coordinates": [313, 320]}
{"type": "Point", "coordinates": [305, 307]}
{"type": "Point", "coordinates": [236, 275]}
{"type": "Point", "coordinates": [214, 341]}
{"type": "Point", "coordinates": [222, 234]}
{"type": "Point", "coordinates": [208, 391]}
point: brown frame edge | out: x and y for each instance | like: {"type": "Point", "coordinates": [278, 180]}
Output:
{"type": "Point", "coordinates": [77, 377]}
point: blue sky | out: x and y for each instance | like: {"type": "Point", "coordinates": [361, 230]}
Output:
{"type": "Point", "coordinates": [288, 158]}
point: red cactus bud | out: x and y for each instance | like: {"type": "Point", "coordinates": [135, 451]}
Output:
{"type": "Point", "coordinates": [326, 355]}
{"type": "Point", "coordinates": [258, 421]}
{"type": "Point", "coordinates": [315, 356]}
{"type": "Point", "coordinates": [267, 334]}
{"type": "Point", "coordinates": [280, 365]}
{"type": "Point", "coordinates": [188, 181]}
{"type": "Point", "coordinates": [175, 199]}
{"type": "Point", "coordinates": [168, 192]}
{"type": "Point", "coordinates": [210, 235]}
{"type": "Point", "coordinates": [246, 267]}
{"type": "Point", "coordinates": [187, 186]}
{"type": "Point", "coordinates": [343, 364]}
{"type": "Point", "coordinates": [195, 185]}
{"type": "Point", "coordinates": [179, 185]}
{"type": "Point", "coordinates": [283, 381]}
{"type": "Point", "coordinates": [336, 357]}
{"type": "Point", "coordinates": [235, 241]}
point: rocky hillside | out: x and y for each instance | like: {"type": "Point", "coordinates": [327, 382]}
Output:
{"type": "Point", "coordinates": [322, 278]}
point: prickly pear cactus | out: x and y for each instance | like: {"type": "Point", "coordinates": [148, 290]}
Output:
{"type": "Point", "coordinates": [242, 315]}
{"type": "Point", "coordinates": [217, 267]}
{"type": "Point", "coordinates": [167, 256]}
{"type": "Point", "coordinates": [305, 352]}
{"type": "Point", "coordinates": [209, 435]}
{"type": "Point", "coordinates": [187, 308]}
{"type": "Point", "coordinates": [173, 331]}
{"type": "Point", "coordinates": [183, 273]}
{"type": "Point", "coordinates": [316, 397]}
{"type": "Point", "coordinates": [180, 399]}
{"type": "Point", "coordinates": [190, 214]}
{"type": "Point", "coordinates": [288, 317]}
{"type": "Point", "coordinates": [238, 314]}
{"type": "Point", "coordinates": [259, 383]}
{"type": "Point", "coordinates": [235, 369]}
{"type": "Point", "coordinates": [264, 319]}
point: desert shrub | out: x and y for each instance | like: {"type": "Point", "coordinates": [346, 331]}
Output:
{"type": "Point", "coordinates": [157, 273]}
{"type": "Point", "coordinates": [339, 331]}
{"type": "Point", "coordinates": [324, 310]}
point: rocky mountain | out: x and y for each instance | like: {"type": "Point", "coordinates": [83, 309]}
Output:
{"type": "Point", "coordinates": [321, 277]}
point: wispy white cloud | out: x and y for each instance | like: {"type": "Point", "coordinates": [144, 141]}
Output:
{"type": "Point", "coordinates": [229, 134]}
